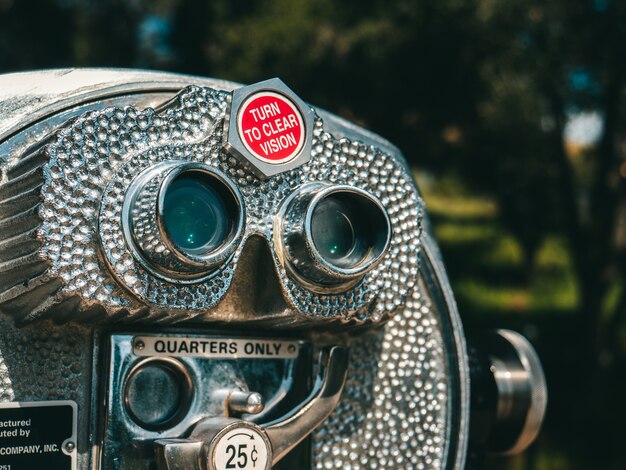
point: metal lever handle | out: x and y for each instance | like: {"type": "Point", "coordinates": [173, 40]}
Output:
{"type": "Point", "coordinates": [287, 432]}
{"type": "Point", "coordinates": [215, 441]}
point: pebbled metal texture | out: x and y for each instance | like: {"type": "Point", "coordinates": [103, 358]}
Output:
{"type": "Point", "coordinates": [64, 190]}
{"type": "Point", "coordinates": [394, 409]}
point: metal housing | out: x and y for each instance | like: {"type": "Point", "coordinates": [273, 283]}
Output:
{"type": "Point", "coordinates": [64, 172]}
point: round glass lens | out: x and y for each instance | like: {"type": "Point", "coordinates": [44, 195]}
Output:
{"type": "Point", "coordinates": [332, 230]}
{"type": "Point", "coordinates": [195, 215]}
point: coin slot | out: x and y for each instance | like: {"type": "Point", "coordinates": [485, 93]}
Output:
{"type": "Point", "coordinates": [158, 393]}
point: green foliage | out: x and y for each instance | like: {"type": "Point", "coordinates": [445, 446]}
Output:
{"type": "Point", "coordinates": [492, 276]}
{"type": "Point", "coordinates": [553, 285]}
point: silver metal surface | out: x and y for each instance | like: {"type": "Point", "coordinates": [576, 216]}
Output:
{"type": "Point", "coordinates": [29, 97]}
{"type": "Point", "coordinates": [405, 400]}
{"type": "Point", "coordinates": [127, 443]}
{"type": "Point", "coordinates": [437, 288]}
{"type": "Point", "coordinates": [397, 408]}
{"type": "Point", "coordinates": [140, 405]}
{"type": "Point", "coordinates": [178, 454]}
{"type": "Point", "coordinates": [288, 431]}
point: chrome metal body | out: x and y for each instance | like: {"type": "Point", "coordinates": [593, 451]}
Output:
{"type": "Point", "coordinates": [71, 144]}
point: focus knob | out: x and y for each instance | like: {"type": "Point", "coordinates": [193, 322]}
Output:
{"type": "Point", "coordinates": [509, 392]}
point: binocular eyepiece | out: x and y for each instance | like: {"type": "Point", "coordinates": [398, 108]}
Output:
{"type": "Point", "coordinates": [183, 220]}
{"type": "Point", "coordinates": [331, 235]}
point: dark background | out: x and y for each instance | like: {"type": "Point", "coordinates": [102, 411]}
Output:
{"type": "Point", "coordinates": [512, 112]}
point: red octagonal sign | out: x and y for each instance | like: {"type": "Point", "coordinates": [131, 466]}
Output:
{"type": "Point", "coordinates": [271, 127]}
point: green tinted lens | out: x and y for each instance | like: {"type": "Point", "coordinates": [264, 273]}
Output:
{"type": "Point", "coordinates": [195, 215]}
{"type": "Point", "coordinates": [332, 230]}
{"type": "Point", "coordinates": [348, 229]}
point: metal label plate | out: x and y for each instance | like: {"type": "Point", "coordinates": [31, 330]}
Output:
{"type": "Point", "coordinates": [38, 435]}
{"type": "Point", "coordinates": [215, 348]}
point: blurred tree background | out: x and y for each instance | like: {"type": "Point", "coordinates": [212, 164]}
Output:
{"type": "Point", "coordinates": [512, 112]}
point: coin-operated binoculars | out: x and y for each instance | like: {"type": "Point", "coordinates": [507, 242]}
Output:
{"type": "Point", "coordinates": [199, 275]}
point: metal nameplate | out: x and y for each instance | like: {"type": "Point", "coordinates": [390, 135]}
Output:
{"type": "Point", "coordinates": [38, 435]}
{"type": "Point", "coordinates": [215, 348]}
